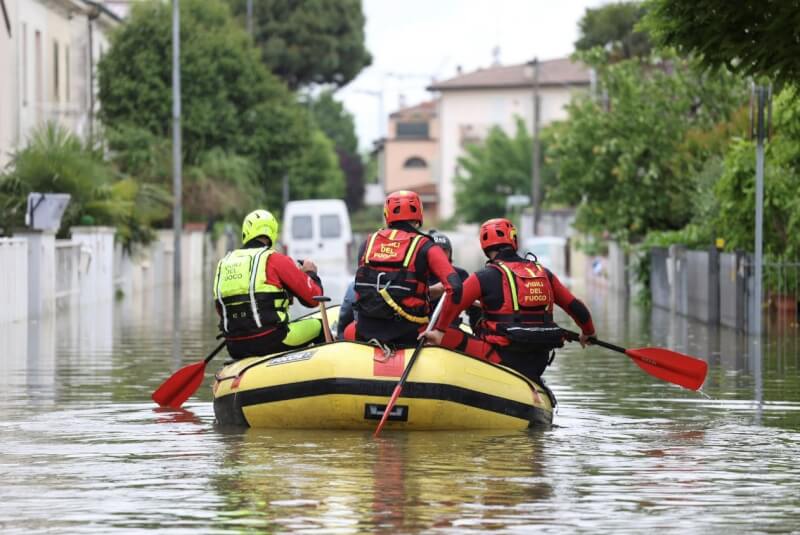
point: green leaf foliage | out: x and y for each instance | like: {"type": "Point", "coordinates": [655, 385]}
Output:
{"type": "Point", "coordinates": [613, 27]}
{"type": "Point", "coordinates": [233, 110]}
{"type": "Point", "coordinates": [57, 161]}
{"type": "Point", "coordinates": [625, 159]}
{"type": "Point", "coordinates": [736, 188]}
{"type": "Point", "coordinates": [318, 175]}
{"type": "Point", "coordinates": [752, 37]}
{"type": "Point", "coordinates": [498, 167]}
{"type": "Point", "coordinates": [338, 124]}
{"type": "Point", "coordinates": [313, 41]}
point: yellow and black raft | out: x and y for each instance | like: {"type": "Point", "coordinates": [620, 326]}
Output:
{"type": "Point", "coordinates": [346, 385]}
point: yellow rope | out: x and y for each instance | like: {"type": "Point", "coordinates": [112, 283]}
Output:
{"type": "Point", "coordinates": [397, 308]}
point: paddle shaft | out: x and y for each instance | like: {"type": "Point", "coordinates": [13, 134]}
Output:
{"type": "Point", "coordinates": [325, 325]}
{"type": "Point", "coordinates": [411, 361]}
{"type": "Point", "coordinates": [594, 341]}
{"type": "Point", "coordinates": [671, 366]}
{"type": "Point", "coordinates": [214, 353]}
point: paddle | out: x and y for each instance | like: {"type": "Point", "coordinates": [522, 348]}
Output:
{"type": "Point", "coordinates": [671, 366]}
{"type": "Point", "coordinates": [183, 383]}
{"type": "Point", "coordinates": [326, 328]}
{"type": "Point", "coordinates": [399, 387]}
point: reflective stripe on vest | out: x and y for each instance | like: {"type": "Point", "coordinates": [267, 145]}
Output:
{"type": "Point", "coordinates": [409, 254]}
{"type": "Point", "coordinates": [243, 265]}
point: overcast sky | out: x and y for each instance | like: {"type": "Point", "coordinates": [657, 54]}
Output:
{"type": "Point", "coordinates": [415, 41]}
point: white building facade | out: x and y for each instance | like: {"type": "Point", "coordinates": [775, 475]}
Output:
{"type": "Point", "coordinates": [471, 104]}
{"type": "Point", "coordinates": [48, 65]}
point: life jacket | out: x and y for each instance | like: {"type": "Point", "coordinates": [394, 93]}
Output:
{"type": "Point", "coordinates": [387, 284]}
{"type": "Point", "coordinates": [249, 306]}
{"type": "Point", "coordinates": [525, 317]}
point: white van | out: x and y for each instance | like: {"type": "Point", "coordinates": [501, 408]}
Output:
{"type": "Point", "coordinates": [318, 229]}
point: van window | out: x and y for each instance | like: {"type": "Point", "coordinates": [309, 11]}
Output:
{"type": "Point", "coordinates": [330, 226]}
{"type": "Point", "coordinates": [301, 227]}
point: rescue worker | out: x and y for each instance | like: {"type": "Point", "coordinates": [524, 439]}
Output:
{"type": "Point", "coordinates": [436, 288]}
{"type": "Point", "coordinates": [252, 290]}
{"type": "Point", "coordinates": [517, 297]}
{"type": "Point", "coordinates": [391, 283]}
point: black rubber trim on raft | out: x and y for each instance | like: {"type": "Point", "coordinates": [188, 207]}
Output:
{"type": "Point", "coordinates": [229, 408]}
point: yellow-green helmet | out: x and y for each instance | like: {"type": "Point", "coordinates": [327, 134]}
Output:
{"type": "Point", "coordinates": [260, 223]}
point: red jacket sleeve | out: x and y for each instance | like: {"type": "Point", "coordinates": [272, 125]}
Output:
{"type": "Point", "coordinates": [284, 273]}
{"type": "Point", "coordinates": [571, 304]}
{"type": "Point", "coordinates": [444, 271]}
{"type": "Point", "coordinates": [471, 291]}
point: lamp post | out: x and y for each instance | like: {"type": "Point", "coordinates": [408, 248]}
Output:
{"type": "Point", "coordinates": [536, 179]}
{"type": "Point", "coordinates": [177, 187]}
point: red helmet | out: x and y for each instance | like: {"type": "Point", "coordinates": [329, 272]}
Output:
{"type": "Point", "coordinates": [498, 231]}
{"type": "Point", "coordinates": [402, 206]}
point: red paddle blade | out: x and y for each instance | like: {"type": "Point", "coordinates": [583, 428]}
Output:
{"type": "Point", "coordinates": [389, 406]}
{"type": "Point", "coordinates": [670, 366]}
{"type": "Point", "coordinates": [180, 386]}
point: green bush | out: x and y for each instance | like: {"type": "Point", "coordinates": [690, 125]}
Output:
{"type": "Point", "coordinates": [57, 161]}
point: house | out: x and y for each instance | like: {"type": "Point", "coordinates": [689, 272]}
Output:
{"type": "Point", "coordinates": [410, 154]}
{"type": "Point", "coordinates": [471, 104]}
{"type": "Point", "coordinates": [48, 61]}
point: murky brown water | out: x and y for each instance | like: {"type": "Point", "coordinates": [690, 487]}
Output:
{"type": "Point", "coordinates": [83, 450]}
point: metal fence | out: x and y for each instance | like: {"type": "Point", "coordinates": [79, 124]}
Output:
{"type": "Point", "coordinates": [68, 258]}
{"type": "Point", "coordinates": [781, 305]}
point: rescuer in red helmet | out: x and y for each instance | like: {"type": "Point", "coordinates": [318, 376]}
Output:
{"type": "Point", "coordinates": [517, 298]}
{"type": "Point", "coordinates": [394, 267]}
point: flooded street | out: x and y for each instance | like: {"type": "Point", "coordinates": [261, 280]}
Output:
{"type": "Point", "coordinates": [84, 450]}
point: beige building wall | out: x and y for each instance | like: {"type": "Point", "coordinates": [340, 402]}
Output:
{"type": "Point", "coordinates": [9, 118]}
{"type": "Point", "coordinates": [48, 59]}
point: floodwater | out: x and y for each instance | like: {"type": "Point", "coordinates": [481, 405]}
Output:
{"type": "Point", "coordinates": [84, 450]}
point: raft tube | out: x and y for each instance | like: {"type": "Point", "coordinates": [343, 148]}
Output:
{"type": "Point", "coordinates": [346, 385]}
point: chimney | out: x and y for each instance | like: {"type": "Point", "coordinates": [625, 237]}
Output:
{"type": "Point", "coordinates": [459, 70]}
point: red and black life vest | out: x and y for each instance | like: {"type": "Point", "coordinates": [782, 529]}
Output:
{"type": "Point", "coordinates": [387, 283]}
{"type": "Point", "coordinates": [525, 316]}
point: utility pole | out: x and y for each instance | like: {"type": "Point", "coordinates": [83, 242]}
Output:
{"type": "Point", "coordinates": [93, 14]}
{"type": "Point", "coordinates": [177, 187]}
{"type": "Point", "coordinates": [761, 96]}
{"type": "Point", "coordinates": [536, 179]}
{"type": "Point", "coordinates": [250, 18]}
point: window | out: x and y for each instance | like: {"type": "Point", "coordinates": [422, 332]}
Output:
{"type": "Point", "coordinates": [412, 130]}
{"type": "Point", "coordinates": [415, 162]}
{"type": "Point", "coordinates": [66, 71]}
{"type": "Point", "coordinates": [24, 64]}
{"type": "Point", "coordinates": [330, 226]}
{"type": "Point", "coordinates": [301, 227]}
{"type": "Point", "coordinates": [56, 93]}
{"type": "Point", "coordinates": [39, 75]}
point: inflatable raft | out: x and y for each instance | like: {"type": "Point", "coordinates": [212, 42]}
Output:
{"type": "Point", "coordinates": [346, 385]}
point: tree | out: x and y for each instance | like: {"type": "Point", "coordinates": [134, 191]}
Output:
{"type": "Point", "coordinates": [313, 41]}
{"type": "Point", "coordinates": [317, 175]}
{"type": "Point", "coordinates": [491, 171]}
{"type": "Point", "coordinates": [232, 106]}
{"type": "Point", "coordinates": [613, 25]}
{"type": "Point", "coordinates": [339, 125]}
{"type": "Point", "coordinates": [624, 164]}
{"type": "Point", "coordinates": [751, 37]}
{"type": "Point", "coordinates": [223, 80]}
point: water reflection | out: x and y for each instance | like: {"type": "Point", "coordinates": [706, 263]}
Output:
{"type": "Point", "coordinates": [82, 441]}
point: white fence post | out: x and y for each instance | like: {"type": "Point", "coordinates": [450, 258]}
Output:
{"type": "Point", "coordinates": [97, 281]}
{"type": "Point", "coordinates": [68, 257]}
{"type": "Point", "coordinates": [14, 282]}
{"type": "Point", "coordinates": [41, 271]}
